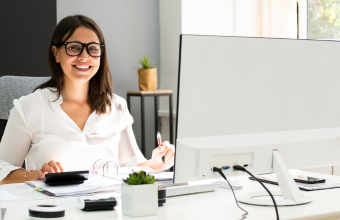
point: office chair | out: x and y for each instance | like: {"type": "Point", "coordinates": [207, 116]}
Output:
{"type": "Point", "coordinates": [13, 87]}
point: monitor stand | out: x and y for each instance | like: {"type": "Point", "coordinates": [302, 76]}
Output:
{"type": "Point", "coordinates": [2, 213]}
{"type": "Point", "coordinates": [289, 190]}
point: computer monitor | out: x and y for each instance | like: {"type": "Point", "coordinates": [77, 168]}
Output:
{"type": "Point", "coordinates": [269, 104]}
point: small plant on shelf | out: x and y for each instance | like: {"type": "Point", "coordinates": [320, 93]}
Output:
{"type": "Point", "coordinates": [147, 75]}
{"type": "Point", "coordinates": [145, 63]}
{"type": "Point", "coordinates": [139, 178]}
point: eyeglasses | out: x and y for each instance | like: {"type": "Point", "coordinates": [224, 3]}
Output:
{"type": "Point", "coordinates": [75, 48]}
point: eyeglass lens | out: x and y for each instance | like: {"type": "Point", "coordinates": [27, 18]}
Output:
{"type": "Point", "coordinates": [74, 49]}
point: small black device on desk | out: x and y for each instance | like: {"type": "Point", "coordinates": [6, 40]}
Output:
{"type": "Point", "coordinates": [46, 212]}
{"type": "Point", "coordinates": [307, 179]}
{"type": "Point", "coordinates": [96, 205]}
{"type": "Point", "coordinates": [66, 178]}
{"type": "Point", "coordinates": [161, 196]}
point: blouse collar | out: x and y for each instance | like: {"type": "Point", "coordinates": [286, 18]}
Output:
{"type": "Point", "coordinates": [55, 104]}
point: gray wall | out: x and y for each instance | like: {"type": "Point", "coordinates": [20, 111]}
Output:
{"type": "Point", "coordinates": [131, 30]}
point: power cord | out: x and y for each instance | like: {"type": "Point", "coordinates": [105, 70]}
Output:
{"type": "Point", "coordinates": [215, 169]}
{"type": "Point", "coordinates": [241, 168]}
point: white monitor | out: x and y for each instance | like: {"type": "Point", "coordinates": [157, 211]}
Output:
{"type": "Point", "coordinates": [240, 99]}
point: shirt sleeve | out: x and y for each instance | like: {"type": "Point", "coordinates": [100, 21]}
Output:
{"type": "Point", "coordinates": [15, 142]}
{"type": "Point", "coordinates": [129, 154]}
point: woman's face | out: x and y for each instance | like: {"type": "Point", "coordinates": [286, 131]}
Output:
{"type": "Point", "coordinates": [78, 68]}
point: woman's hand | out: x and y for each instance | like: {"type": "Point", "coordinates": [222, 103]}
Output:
{"type": "Point", "coordinates": [168, 151]}
{"type": "Point", "coordinates": [50, 167]}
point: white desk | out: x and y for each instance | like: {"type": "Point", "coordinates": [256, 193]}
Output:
{"type": "Point", "coordinates": [208, 206]}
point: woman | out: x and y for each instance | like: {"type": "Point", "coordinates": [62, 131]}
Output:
{"type": "Point", "coordinates": [73, 119]}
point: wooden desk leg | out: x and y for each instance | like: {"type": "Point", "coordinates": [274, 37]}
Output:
{"type": "Point", "coordinates": [143, 124]}
{"type": "Point", "coordinates": [156, 119]}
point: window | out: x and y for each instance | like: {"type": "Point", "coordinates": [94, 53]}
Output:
{"type": "Point", "coordinates": [323, 19]}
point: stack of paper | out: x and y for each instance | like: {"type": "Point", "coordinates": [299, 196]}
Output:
{"type": "Point", "coordinates": [95, 183]}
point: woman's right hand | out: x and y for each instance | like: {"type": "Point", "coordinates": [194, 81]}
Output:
{"type": "Point", "coordinates": [50, 167]}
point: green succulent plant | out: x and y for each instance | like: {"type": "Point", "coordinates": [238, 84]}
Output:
{"type": "Point", "coordinates": [139, 178]}
{"type": "Point", "coordinates": [145, 63]}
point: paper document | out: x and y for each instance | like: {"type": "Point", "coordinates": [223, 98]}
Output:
{"type": "Point", "coordinates": [123, 173]}
{"type": "Point", "coordinates": [93, 184]}
{"type": "Point", "coordinates": [165, 176]}
{"type": "Point", "coordinates": [5, 196]}
{"type": "Point", "coordinates": [128, 170]}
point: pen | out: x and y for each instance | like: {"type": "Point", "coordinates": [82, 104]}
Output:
{"type": "Point", "coordinates": [159, 139]}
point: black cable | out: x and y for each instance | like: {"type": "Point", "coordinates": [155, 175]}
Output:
{"type": "Point", "coordinates": [241, 168]}
{"type": "Point", "coordinates": [221, 173]}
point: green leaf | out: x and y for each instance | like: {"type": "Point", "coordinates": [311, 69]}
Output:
{"type": "Point", "coordinates": [139, 178]}
{"type": "Point", "coordinates": [145, 63]}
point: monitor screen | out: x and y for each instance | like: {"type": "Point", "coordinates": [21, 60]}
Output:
{"type": "Point", "coordinates": [238, 85]}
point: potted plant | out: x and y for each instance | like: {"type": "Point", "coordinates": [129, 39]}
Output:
{"type": "Point", "coordinates": [139, 195]}
{"type": "Point", "coordinates": [147, 75]}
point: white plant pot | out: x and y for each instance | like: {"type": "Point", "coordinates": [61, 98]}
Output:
{"type": "Point", "coordinates": [139, 200]}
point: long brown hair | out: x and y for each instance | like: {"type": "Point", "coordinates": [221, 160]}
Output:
{"type": "Point", "coordinates": [100, 87]}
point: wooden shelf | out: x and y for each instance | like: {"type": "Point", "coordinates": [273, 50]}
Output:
{"type": "Point", "coordinates": [150, 92]}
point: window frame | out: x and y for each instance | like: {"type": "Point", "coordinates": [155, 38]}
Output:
{"type": "Point", "coordinates": [302, 9]}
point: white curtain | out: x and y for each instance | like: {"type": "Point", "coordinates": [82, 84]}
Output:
{"type": "Point", "coordinates": [265, 18]}
{"type": "Point", "coordinates": [252, 18]}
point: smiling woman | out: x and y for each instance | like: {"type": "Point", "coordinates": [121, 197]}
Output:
{"type": "Point", "coordinates": [75, 118]}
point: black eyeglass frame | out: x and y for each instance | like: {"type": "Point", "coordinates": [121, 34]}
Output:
{"type": "Point", "coordinates": [82, 47]}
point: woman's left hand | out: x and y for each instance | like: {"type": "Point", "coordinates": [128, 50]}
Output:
{"type": "Point", "coordinates": [168, 151]}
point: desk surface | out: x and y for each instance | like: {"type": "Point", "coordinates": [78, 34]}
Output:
{"type": "Point", "coordinates": [219, 204]}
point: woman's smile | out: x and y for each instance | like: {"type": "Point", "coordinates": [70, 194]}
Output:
{"type": "Point", "coordinates": [82, 67]}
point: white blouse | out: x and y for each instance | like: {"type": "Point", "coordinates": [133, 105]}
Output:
{"type": "Point", "coordinates": [38, 131]}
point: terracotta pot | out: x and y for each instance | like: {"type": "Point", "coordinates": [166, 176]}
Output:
{"type": "Point", "coordinates": [147, 79]}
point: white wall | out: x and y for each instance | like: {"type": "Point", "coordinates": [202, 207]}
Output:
{"type": "Point", "coordinates": [131, 30]}
{"type": "Point", "coordinates": [213, 17]}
